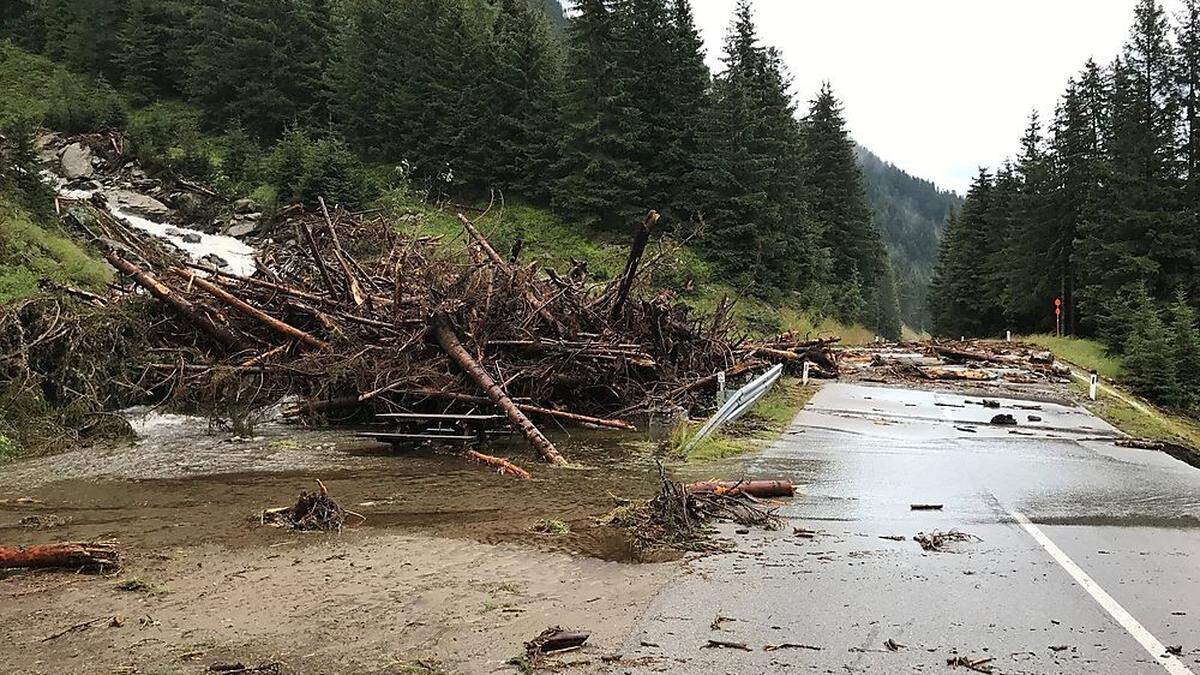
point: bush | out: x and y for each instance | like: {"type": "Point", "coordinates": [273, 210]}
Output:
{"type": "Point", "coordinates": [75, 104]}
{"type": "Point", "coordinates": [304, 168]}
{"type": "Point", "coordinates": [166, 137]}
{"type": "Point", "coordinates": [8, 448]}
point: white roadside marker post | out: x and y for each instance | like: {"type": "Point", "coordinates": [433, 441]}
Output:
{"type": "Point", "coordinates": [721, 393]}
{"type": "Point", "coordinates": [1095, 385]}
{"type": "Point", "coordinates": [805, 380]}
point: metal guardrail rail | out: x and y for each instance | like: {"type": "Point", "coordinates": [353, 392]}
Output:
{"type": "Point", "coordinates": [738, 404]}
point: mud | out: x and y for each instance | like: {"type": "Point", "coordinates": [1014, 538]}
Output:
{"type": "Point", "coordinates": [445, 569]}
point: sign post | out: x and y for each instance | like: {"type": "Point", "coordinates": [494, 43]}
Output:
{"type": "Point", "coordinates": [1058, 327]}
{"type": "Point", "coordinates": [721, 393]}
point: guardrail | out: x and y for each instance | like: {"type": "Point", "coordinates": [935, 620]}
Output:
{"type": "Point", "coordinates": [737, 405]}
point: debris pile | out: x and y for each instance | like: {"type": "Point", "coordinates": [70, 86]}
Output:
{"type": "Point", "coordinates": [937, 541]}
{"type": "Point", "coordinates": [350, 318]}
{"type": "Point", "coordinates": [973, 361]}
{"type": "Point", "coordinates": [678, 516]}
{"type": "Point", "coordinates": [312, 512]}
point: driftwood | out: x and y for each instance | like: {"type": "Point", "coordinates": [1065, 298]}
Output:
{"type": "Point", "coordinates": [245, 308]}
{"type": "Point", "coordinates": [761, 489]}
{"type": "Point", "coordinates": [449, 342]}
{"type": "Point", "coordinates": [500, 464]}
{"type": "Point", "coordinates": [87, 556]}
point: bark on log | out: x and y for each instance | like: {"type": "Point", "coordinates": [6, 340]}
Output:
{"type": "Point", "coordinates": [92, 556]}
{"type": "Point", "coordinates": [762, 489]}
{"type": "Point", "coordinates": [181, 305]}
{"type": "Point", "coordinates": [641, 236]}
{"type": "Point", "coordinates": [249, 310]}
{"type": "Point", "coordinates": [500, 464]}
{"type": "Point", "coordinates": [450, 343]}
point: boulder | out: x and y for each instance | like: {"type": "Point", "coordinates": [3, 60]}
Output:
{"type": "Point", "coordinates": [245, 206]}
{"type": "Point", "coordinates": [243, 228]}
{"type": "Point", "coordinates": [139, 204]}
{"type": "Point", "coordinates": [191, 238]}
{"type": "Point", "coordinates": [76, 161]}
{"type": "Point", "coordinates": [214, 260]}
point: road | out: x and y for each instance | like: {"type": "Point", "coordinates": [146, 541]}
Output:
{"type": "Point", "coordinates": [1085, 560]}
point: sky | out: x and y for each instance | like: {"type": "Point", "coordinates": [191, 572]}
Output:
{"type": "Point", "coordinates": [936, 87]}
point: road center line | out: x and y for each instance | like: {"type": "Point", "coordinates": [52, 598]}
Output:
{"type": "Point", "coordinates": [1131, 625]}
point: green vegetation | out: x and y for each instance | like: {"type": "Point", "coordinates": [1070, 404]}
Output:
{"type": "Point", "coordinates": [29, 252]}
{"type": "Point", "coordinates": [605, 120]}
{"type": "Point", "coordinates": [35, 89]}
{"type": "Point", "coordinates": [136, 585]}
{"type": "Point", "coordinates": [8, 448]}
{"type": "Point", "coordinates": [1089, 355]}
{"type": "Point", "coordinates": [761, 426]}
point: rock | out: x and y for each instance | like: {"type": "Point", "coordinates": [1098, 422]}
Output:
{"type": "Point", "coordinates": [184, 201]}
{"type": "Point", "coordinates": [214, 260]}
{"type": "Point", "coordinates": [191, 238]}
{"type": "Point", "coordinates": [245, 206]}
{"type": "Point", "coordinates": [242, 228]}
{"type": "Point", "coordinates": [139, 204]}
{"type": "Point", "coordinates": [1004, 420]}
{"type": "Point", "coordinates": [76, 161]}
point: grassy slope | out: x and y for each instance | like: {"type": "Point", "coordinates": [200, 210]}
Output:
{"type": "Point", "coordinates": [23, 85]}
{"type": "Point", "coordinates": [29, 251]}
{"type": "Point", "coordinates": [1123, 410]}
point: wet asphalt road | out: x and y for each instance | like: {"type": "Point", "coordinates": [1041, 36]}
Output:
{"type": "Point", "coordinates": [1106, 571]}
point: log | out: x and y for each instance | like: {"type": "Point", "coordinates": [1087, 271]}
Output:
{"type": "Point", "coordinates": [90, 556]}
{"type": "Point", "coordinates": [249, 310]}
{"type": "Point", "coordinates": [620, 425]}
{"type": "Point", "coordinates": [762, 489]}
{"type": "Point", "coordinates": [500, 464]}
{"type": "Point", "coordinates": [531, 296]}
{"type": "Point", "coordinates": [641, 236]}
{"type": "Point", "coordinates": [180, 304]}
{"type": "Point", "coordinates": [353, 289]}
{"type": "Point", "coordinates": [450, 343]}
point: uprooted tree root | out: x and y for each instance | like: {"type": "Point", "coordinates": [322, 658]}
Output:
{"type": "Point", "coordinates": [312, 512]}
{"type": "Point", "coordinates": [679, 519]}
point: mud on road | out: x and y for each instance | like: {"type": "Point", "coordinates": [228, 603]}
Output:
{"type": "Point", "coordinates": [443, 575]}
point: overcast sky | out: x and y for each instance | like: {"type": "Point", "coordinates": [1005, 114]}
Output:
{"type": "Point", "coordinates": [937, 87]}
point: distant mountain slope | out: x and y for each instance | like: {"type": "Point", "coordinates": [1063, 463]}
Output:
{"type": "Point", "coordinates": [910, 213]}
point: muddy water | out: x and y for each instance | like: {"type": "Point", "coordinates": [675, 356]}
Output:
{"type": "Point", "coordinates": [180, 485]}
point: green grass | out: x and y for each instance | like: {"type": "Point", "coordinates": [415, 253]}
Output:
{"type": "Point", "coordinates": [760, 427]}
{"type": "Point", "coordinates": [29, 251]}
{"type": "Point", "coordinates": [1087, 354]}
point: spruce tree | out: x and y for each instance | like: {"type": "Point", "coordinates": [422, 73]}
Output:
{"type": "Point", "coordinates": [523, 89]}
{"type": "Point", "coordinates": [1185, 341]}
{"type": "Point", "coordinates": [687, 81]}
{"type": "Point", "coordinates": [1149, 355]}
{"type": "Point", "coordinates": [257, 62]}
{"type": "Point", "coordinates": [600, 181]}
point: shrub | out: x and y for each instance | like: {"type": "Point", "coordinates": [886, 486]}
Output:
{"type": "Point", "coordinates": [75, 104]}
{"type": "Point", "coordinates": [304, 168]}
{"type": "Point", "coordinates": [166, 137]}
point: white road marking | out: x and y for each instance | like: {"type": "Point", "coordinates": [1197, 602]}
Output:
{"type": "Point", "coordinates": [1151, 644]}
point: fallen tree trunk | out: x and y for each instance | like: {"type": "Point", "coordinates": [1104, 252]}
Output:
{"type": "Point", "coordinates": [91, 556]}
{"type": "Point", "coordinates": [249, 310]}
{"type": "Point", "coordinates": [180, 304]}
{"type": "Point", "coordinates": [641, 237]}
{"type": "Point", "coordinates": [450, 343]}
{"type": "Point", "coordinates": [762, 489]}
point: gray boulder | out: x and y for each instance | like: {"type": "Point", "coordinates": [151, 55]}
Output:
{"type": "Point", "coordinates": [76, 161]}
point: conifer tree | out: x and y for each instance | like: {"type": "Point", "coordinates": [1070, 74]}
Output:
{"type": "Point", "coordinates": [523, 90]}
{"type": "Point", "coordinates": [257, 62]}
{"type": "Point", "coordinates": [1149, 354]}
{"type": "Point", "coordinates": [600, 181]}
{"type": "Point", "coordinates": [687, 82]}
{"type": "Point", "coordinates": [1185, 342]}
